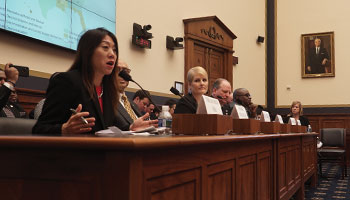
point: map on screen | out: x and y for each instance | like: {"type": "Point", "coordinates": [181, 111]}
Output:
{"type": "Point", "coordinates": [60, 22]}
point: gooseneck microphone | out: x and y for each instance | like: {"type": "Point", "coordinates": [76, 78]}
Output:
{"type": "Point", "coordinates": [127, 77]}
{"type": "Point", "coordinates": [177, 93]}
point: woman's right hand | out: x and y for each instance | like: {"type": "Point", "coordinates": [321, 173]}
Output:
{"type": "Point", "coordinates": [75, 125]}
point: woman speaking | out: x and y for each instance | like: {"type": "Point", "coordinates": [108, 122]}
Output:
{"type": "Point", "coordinates": [84, 99]}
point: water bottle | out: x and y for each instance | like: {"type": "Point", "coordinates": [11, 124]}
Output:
{"type": "Point", "coordinates": [309, 129]}
{"type": "Point", "coordinates": [165, 119]}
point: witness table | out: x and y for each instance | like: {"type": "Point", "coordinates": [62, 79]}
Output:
{"type": "Point", "coordinates": [268, 166]}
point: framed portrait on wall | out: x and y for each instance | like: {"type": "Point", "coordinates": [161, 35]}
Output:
{"type": "Point", "coordinates": [179, 86]}
{"type": "Point", "coordinates": [317, 55]}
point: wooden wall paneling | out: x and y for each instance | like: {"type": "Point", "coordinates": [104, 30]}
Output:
{"type": "Point", "coordinates": [182, 185]}
{"type": "Point", "coordinates": [289, 166]}
{"type": "Point", "coordinates": [221, 180]}
{"type": "Point", "coordinates": [333, 123]}
{"type": "Point", "coordinates": [265, 175]}
{"type": "Point", "coordinates": [246, 177]}
{"type": "Point", "coordinates": [189, 58]}
{"type": "Point", "coordinates": [309, 155]}
{"type": "Point", "coordinates": [315, 124]}
{"type": "Point", "coordinates": [228, 60]}
{"type": "Point", "coordinates": [52, 174]}
{"type": "Point", "coordinates": [169, 174]}
{"type": "Point", "coordinates": [29, 98]}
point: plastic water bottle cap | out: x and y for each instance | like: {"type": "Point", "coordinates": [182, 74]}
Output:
{"type": "Point", "coordinates": [165, 108]}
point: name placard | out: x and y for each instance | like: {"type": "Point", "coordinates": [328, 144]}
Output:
{"type": "Point", "coordinates": [292, 121]}
{"type": "Point", "coordinates": [265, 116]}
{"type": "Point", "coordinates": [298, 122]}
{"type": "Point", "coordinates": [279, 119]}
{"type": "Point", "coordinates": [239, 112]}
{"type": "Point", "coordinates": [209, 105]}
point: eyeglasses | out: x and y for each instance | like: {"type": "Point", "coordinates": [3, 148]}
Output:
{"type": "Point", "coordinates": [247, 95]}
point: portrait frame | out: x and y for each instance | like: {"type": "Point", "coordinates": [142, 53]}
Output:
{"type": "Point", "coordinates": [179, 86]}
{"type": "Point", "coordinates": [317, 62]}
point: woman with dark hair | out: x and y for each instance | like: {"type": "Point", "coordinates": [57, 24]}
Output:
{"type": "Point", "coordinates": [89, 87]}
{"type": "Point", "coordinates": [296, 111]}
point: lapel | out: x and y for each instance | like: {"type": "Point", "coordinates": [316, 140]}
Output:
{"type": "Point", "coordinates": [108, 111]}
{"type": "Point", "coordinates": [124, 113]}
{"type": "Point", "coordinates": [135, 108]}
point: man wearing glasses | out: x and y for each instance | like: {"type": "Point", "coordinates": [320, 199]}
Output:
{"type": "Point", "coordinates": [242, 97]}
{"type": "Point", "coordinates": [8, 79]}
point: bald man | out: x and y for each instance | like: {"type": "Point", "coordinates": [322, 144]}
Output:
{"type": "Point", "coordinates": [222, 91]}
{"type": "Point", "coordinates": [242, 97]}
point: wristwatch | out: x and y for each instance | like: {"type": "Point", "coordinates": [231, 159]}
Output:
{"type": "Point", "coordinates": [9, 86]}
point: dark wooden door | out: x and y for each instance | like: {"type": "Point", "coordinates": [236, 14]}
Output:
{"type": "Point", "coordinates": [216, 67]}
{"type": "Point", "coordinates": [211, 60]}
{"type": "Point", "coordinates": [208, 43]}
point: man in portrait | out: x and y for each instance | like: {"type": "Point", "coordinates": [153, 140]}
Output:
{"type": "Point", "coordinates": [317, 59]}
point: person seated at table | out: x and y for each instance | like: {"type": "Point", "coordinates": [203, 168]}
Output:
{"type": "Point", "coordinates": [242, 97]}
{"type": "Point", "coordinates": [12, 109]}
{"type": "Point", "coordinates": [222, 92]}
{"type": "Point", "coordinates": [197, 79]}
{"type": "Point", "coordinates": [89, 87]}
{"type": "Point", "coordinates": [8, 79]}
{"type": "Point", "coordinates": [172, 105]}
{"type": "Point", "coordinates": [141, 99]}
{"type": "Point", "coordinates": [296, 111]}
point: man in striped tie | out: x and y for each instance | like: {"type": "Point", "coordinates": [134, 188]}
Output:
{"type": "Point", "coordinates": [127, 110]}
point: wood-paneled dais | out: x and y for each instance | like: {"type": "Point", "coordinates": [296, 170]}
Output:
{"type": "Point", "coordinates": [237, 167]}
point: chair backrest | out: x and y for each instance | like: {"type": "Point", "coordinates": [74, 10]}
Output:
{"type": "Point", "coordinates": [16, 126]}
{"type": "Point", "coordinates": [333, 137]}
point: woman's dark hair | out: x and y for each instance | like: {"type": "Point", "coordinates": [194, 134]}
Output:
{"type": "Point", "coordinates": [170, 102]}
{"type": "Point", "coordinates": [88, 42]}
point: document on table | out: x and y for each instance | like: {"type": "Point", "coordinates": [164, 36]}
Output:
{"type": "Point", "coordinates": [115, 132]}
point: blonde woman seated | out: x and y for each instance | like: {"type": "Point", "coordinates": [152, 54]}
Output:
{"type": "Point", "coordinates": [296, 111]}
{"type": "Point", "coordinates": [197, 79]}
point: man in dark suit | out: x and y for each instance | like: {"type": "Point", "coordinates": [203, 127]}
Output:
{"type": "Point", "coordinates": [12, 109]}
{"type": "Point", "coordinates": [222, 91]}
{"type": "Point", "coordinates": [241, 96]}
{"type": "Point", "coordinates": [317, 59]}
{"type": "Point", "coordinates": [8, 79]}
{"type": "Point", "coordinates": [125, 116]}
{"type": "Point", "coordinates": [141, 100]}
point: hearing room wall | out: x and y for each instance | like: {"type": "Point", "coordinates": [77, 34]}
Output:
{"type": "Point", "coordinates": [295, 18]}
{"type": "Point", "coordinates": [156, 69]}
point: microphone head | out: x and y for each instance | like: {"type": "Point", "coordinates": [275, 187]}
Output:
{"type": "Point", "coordinates": [175, 91]}
{"type": "Point", "coordinates": [125, 75]}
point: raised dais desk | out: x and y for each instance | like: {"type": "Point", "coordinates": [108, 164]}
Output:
{"type": "Point", "coordinates": [237, 167]}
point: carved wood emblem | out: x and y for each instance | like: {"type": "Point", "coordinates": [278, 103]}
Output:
{"type": "Point", "coordinates": [211, 33]}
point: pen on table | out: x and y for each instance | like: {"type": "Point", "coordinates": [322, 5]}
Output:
{"type": "Point", "coordinates": [82, 118]}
